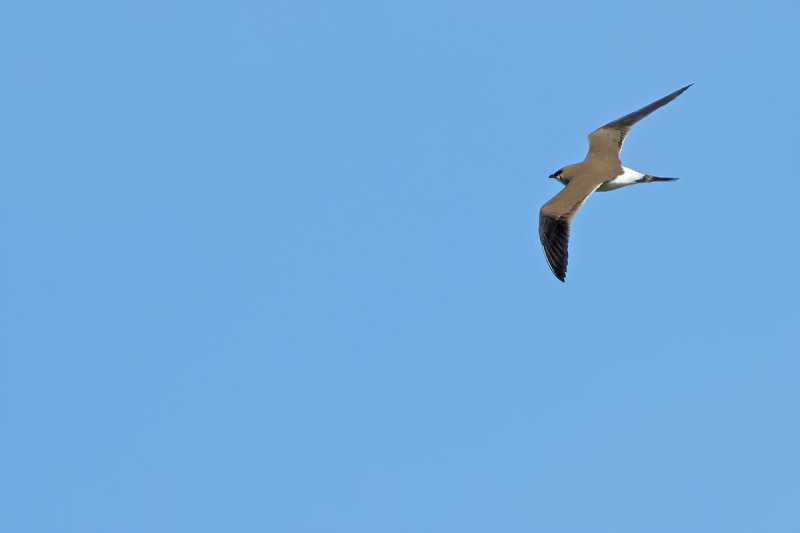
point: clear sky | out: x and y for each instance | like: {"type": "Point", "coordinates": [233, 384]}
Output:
{"type": "Point", "coordinates": [274, 266]}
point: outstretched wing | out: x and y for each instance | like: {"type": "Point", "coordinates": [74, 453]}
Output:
{"type": "Point", "coordinates": [554, 220]}
{"type": "Point", "coordinates": [610, 137]}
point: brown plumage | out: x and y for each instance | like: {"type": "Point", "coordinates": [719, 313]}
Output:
{"type": "Point", "coordinates": [600, 170]}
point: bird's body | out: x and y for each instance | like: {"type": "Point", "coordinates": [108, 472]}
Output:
{"type": "Point", "coordinates": [628, 177]}
{"type": "Point", "coordinates": [600, 171]}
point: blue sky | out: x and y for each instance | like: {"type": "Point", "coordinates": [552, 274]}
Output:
{"type": "Point", "coordinates": [274, 266]}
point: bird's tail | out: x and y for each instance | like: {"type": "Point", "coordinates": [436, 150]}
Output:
{"type": "Point", "coordinates": [647, 178]}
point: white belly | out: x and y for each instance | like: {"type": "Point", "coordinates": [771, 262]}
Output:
{"type": "Point", "coordinates": [628, 177]}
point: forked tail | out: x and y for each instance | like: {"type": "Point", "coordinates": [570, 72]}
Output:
{"type": "Point", "coordinates": [647, 178]}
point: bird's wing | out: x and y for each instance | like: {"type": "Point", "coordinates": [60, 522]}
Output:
{"type": "Point", "coordinates": [610, 137]}
{"type": "Point", "coordinates": [554, 219]}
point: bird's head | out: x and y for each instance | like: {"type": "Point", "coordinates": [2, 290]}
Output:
{"type": "Point", "coordinates": [558, 176]}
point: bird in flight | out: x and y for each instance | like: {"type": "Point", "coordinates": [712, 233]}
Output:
{"type": "Point", "coordinates": [600, 171]}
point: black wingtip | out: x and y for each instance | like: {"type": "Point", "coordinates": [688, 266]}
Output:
{"type": "Point", "coordinates": [554, 234]}
{"type": "Point", "coordinates": [560, 273]}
